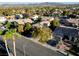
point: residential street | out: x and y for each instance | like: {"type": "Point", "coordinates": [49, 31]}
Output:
{"type": "Point", "coordinates": [27, 47]}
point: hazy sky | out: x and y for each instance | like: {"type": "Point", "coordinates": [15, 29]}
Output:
{"type": "Point", "coordinates": [39, 0]}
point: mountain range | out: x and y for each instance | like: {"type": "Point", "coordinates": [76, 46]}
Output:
{"type": "Point", "coordinates": [13, 4]}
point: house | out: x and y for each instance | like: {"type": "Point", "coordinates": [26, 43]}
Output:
{"type": "Point", "coordinates": [63, 20]}
{"type": "Point", "coordinates": [74, 21]}
{"type": "Point", "coordinates": [24, 16]}
{"type": "Point", "coordinates": [3, 19]}
{"type": "Point", "coordinates": [44, 18]}
{"type": "Point", "coordinates": [18, 16]}
{"type": "Point", "coordinates": [72, 16]}
{"type": "Point", "coordinates": [20, 22]}
{"type": "Point", "coordinates": [10, 17]}
{"type": "Point", "coordinates": [51, 19]}
{"type": "Point", "coordinates": [70, 34]}
{"type": "Point", "coordinates": [57, 13]}
{"type": "Point", "coordinates": [35, 17]}
{"type": "Point", "coordinates": [45, 23]}
{"type": "Point", "coordinates": [27, 20]}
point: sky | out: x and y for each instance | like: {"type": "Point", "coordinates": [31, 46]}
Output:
{"type": "Point", "coordinates": [39, 0]}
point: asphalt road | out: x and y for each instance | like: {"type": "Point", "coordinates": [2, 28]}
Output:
{"type": "Point", "coordinates": [26, 47]}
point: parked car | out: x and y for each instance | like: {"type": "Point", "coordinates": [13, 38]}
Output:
{"type": "Point", "coordinates": [52, 42]}
{"type": "Point", "coordinates": [3, 51]}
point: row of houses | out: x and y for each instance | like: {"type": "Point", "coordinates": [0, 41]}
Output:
{"type": "Point", "coordinates": [73, 22]}
{"type": "Point", "coordinates": [13, 17]}
{"type": "Point", "coordinates": [44, 20]}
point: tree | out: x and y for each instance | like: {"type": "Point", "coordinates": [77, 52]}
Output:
{"type": "Point", "coordinates": [55, 23]}
{"type": "Point", "coordinates": [39, 19]}
{"type": "Point", "coordinates": [27, 30]}
{"type": "Point", "coordinates": [28, 26]}
{"type": "Point", "coordinates": [14, 24]}
{"type": "Point", "coordinates": [8, 25]}
{"type": "Point", "coordinates": [43, 34]}
{"type": "Point", "coordinates": [12, 34]}
{"type": "Point", "coordinates": [1, 31]}
{"type": "Point", "coordinates": [20, 28]}
{"type": "Point", "coordinates": [5, 13]}
{"type": "Point", "coordinates": [4, 39]}
{"type": "Point", "coordinates": [65, 13]}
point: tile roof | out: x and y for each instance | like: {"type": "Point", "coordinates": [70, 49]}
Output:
{"type": "Point", "coordinates": [66, 31]}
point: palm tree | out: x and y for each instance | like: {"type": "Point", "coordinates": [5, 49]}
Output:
{"type": "Point", "coordinates": [6, 45]}
{"type": "Point", "coordinates": [4, 39]}
{"type": "Point", "coordinates": [43, 34]}
{"type": "Point", "coordinates": [10, 34]}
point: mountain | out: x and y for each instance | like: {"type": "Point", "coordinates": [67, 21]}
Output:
{"type": "Point", "coordinates": [14, 4]}
{"type": "Point", "coordinates": [47, 4]}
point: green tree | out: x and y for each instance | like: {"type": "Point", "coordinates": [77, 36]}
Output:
{"type": "Point", "coordinates": [39, 19]}
{"type": "Point", "coordinates": [55, 23]}
{"type": "Point", "coordinates": [5, 41]}
{"type": "Point", "coordinates": [65, 13]}
{"type": "Point", "coordinates": [1, 31]}
{"type": "Point", "coordinates": [13, 35]}
{"type": "Point", "coordinates": [43, 34]}
{"type": "Point", "coordinates": [20, 28]}
{"type": "Point", "coordinates": [8, 25]}
{"type": "Point", "coordinates": [28, 26]}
